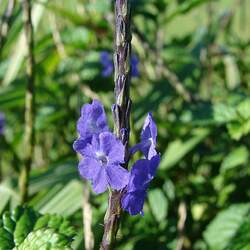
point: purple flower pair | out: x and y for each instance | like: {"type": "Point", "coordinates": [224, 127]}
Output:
{"type": "Point", "coordinates": [103, 155]}
{"type": "Point", "coordinates": [102, 152]}
{"type": "Point", "coordinates": [2, 122]}
{"type": "Point", "coordinates": [108, 67]}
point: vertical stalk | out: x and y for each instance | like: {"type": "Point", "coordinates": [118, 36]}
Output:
{"type": "Point", "coordinates": [121, 111]}
{"type": "Point", "coordinates": [29, 102]}
{"type": "Point", "coordinates": [87, 219]}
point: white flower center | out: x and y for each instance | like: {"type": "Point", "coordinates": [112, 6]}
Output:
{"type": "Point", "coordinates": [102, 158]}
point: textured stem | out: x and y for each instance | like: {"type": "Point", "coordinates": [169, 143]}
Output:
{"type": "Point", "coordinates": [29, 103]}
{"type": "Point", "coordinates": [182, 211]}
{"type": "Point", "coordinates": [87, 219]}
{"type": "Point", "coordinates": [121, 111]}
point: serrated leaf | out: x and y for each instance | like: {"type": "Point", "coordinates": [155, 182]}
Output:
{"type": "Point", "coordinates": [6, 240]}
{"type": "Point", "coordinates": [24, 228]}
{"type": "Point", "coordinates": [24, 225]}
{"type": "Point", "coordinates": [241, 241]}
{"type": "Point", "coordinates": [8, 222]}
{"type": "Point", "coordinates": [225, 225]}
{"type": "Point", "coordinates": [44, 239]}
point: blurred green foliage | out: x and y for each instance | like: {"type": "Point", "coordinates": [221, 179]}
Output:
{"type": "Point", "coordinates": [194, 77]}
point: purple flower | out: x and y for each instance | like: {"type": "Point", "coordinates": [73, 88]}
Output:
{"type": "Point", "coordinates": [2, 122]}
{"type": "Point", "coordinates": [134, 66]}
{"type": "Point", "coordinates": [101, 163]}
{"type": "Point", "coordinates": [91, 123]}
{"type": "Point", "coordinates": [108, 66]}
{"type": "Point", "coordinates": [148, 138]}
{"type": "Point", "coordinates": [142, 172]}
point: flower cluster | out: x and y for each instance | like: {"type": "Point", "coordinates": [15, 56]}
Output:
{"type": "Point", "coordinates": [108, 67]}
{"type": "Point", "coordinates": [103, 156]}
{"type": "Point", "coordinates": [2, 122]}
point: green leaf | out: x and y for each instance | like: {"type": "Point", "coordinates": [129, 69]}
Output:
{"type": "Point", "coordinates": [12, 96]}
{"type": "Point", "coordinates": [24, 229]}
{"type": "Point", "coordinates": [24, 225]}
{"type": "Point", "coordinates": [237, 157]}
{"type": "Point", "coordinates": [224, 113]}
{"type": "Point", "coordinates": [79, 36]}
{"type": "Point", "coordinates": [7, 194]}
{"type": "Point", "coordinates": [67, 201]}
{"type": "Point", "coordinates": [178, 149]}
{"type": "Point", "coordinates": [18, 55]}
{"type": "Point", "coordinates": [56, 174]}
{"type": "Point", "coordinates": [6, 240]}
{"type": "Point", "coordinates": [100, 6]}
{"type": "Point", "coordinates": [185, 7]}
{"type": "Point", "coordinates": [241, 241]}
{"type": "Point", "coordinates": [225, 225]}
{"type": "Point", "coordinates": [44, 239]}
{"type": "Point", "coordinates": [232, 72]}
{"type": "Point", "coordinates": [243, 109]}
{"type": "Point", "coordinates": [237, 129]}
{"type": "Point", "coordinates": [158, 203]}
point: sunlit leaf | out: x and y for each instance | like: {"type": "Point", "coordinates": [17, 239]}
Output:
{"type": "Point", "coordinates": [225, 225]}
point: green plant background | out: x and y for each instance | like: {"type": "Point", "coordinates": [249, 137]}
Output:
{"type": "Point", "coordinates": [194, 77]}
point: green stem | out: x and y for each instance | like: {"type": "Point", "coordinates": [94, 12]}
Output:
{"type": "Point", "coordinates": [29, 133]}
{"type": "Point", "coordinates": [121, 111]}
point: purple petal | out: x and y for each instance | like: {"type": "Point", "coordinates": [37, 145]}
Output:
{"type": "Point", "coordinates": [80, 144]}
{"type": "Point", "coordinates": [153, 165]}
{"type": "Point", "coordinates": [105, 58]}
{"type": "Point", "coordinates": [89, 168]}
{"type": "Point", "coordinates": [100, 181]}
{"type": "Point", "coordinates": [92, 121]}
{"type": "Point", "coordinates": [107, 63]}
{"type": "Point", "coordinates": [149, 130]}
{"type": "Point", "coordinates": [134, 66]}
{"type": "Point", "coordinates": [133, 202]}
{"type": "Point", "coordinates": [150, 152]}
{"type": "Point", "coordinates": [139, 177]}
{"type": "Point", "coordinates": [142, 172]}
{"type": "Point", "coordinates": [107, 71]}
{"type": "Point", "coordinates": [136, 148]}
{"type": "Point", "coordinates": [148, 139]}
{"type": "Point", "coordinates": [2, 122]}
{"type": "Point", "coordinates": [118, 176]}
{"type": "Point", "coordinates": [89, 151]}
{"type": "Point", "coordinates": [112, 147]}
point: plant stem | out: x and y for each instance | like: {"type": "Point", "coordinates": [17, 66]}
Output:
{"type": "Point", "coordinates": [121, 111]}
{"type": "Point", "coordinates": [29, 133]}
{"type": "Point", "coordinates": [182, 211]}
{"type": "Point", "coordinates": [87, 219]}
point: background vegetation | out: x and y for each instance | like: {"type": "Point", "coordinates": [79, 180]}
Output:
{"type": "Point", "coordinates": [194, 60]}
